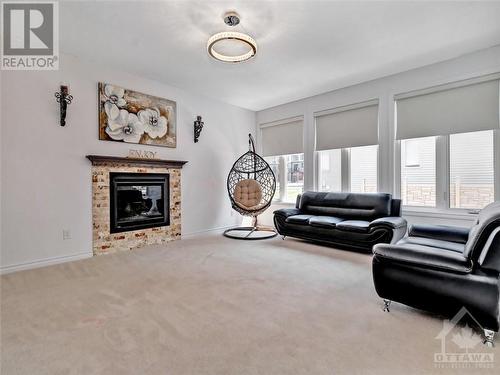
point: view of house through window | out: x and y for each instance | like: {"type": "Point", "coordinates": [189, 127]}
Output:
{"type": "Point", "coordinates": [418, 172]}
{"type": "Point", "coordinates": [289, 172]}
{"type": "Point", "coordinates": [330, 170]}
{"type": "Point", "coordinates": [363, 169]}
{"type": "Point", "coordinates": [363, 163]}
{"type": "Point", "coordinates": [471, 170]}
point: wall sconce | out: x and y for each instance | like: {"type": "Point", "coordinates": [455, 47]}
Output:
{"type": "Point", "coordinates": [63, 98]}
{"type": "Point", "coordinates": [198, 125]}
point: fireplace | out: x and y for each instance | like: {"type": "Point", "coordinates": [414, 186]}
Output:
{"type": "Point", "coordinates": [140, 226]}
{"type": "Point", "coordinates": [138, 201]}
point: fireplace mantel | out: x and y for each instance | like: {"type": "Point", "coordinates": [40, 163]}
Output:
{"type": "Point", "coordinates": [162, 163]}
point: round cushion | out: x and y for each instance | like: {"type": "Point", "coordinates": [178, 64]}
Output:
{"type": "Point", "coordinates": [247, 194]}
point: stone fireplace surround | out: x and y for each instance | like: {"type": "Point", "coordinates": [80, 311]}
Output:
{"type": "Point", "coordinates": [104, 242]}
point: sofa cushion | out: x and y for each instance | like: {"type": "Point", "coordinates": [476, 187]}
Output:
{"type": "Point", "coordinates": [357, 206]}
{"type": "Point", "coordinates": [324, 221]}
{"type": "Point", "coordinates": [354, 225]}
{"type": "Point", "coordinates": [298, 219]}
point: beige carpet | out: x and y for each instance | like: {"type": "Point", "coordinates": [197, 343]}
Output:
{"type": "Point", "coordinates": [213, 306]}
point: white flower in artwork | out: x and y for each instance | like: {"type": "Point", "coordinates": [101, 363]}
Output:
{"type": "Point", "coordinates": [114, 101]}
{"type": "Point", "coordinates": [155, 125]}
{"type": "Point", "coordinates": [126, 126]}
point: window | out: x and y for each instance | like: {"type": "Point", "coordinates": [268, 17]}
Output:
{"type": "Point", "coordinates": [447, 135]}
{"type": "Point", "coordinates": [330, 170]}
{"type": "Point", "coordinates": [289, 172]}
{"type": "Point", "coordinates": [418, 172]}
{"type": "Point", "coordinates": [471, 170]}
{"type": "Point", "coordinates": [346, 147]}
{"type": "Point", "coordinates": [363, 164]}
{"type": "Point", "coordinates": [469, 158]}
{"type": "Point", "coordinates": [360, 174]}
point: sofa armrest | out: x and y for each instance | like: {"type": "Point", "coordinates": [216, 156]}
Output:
{"type": "Point", "coordinates": [440, 232]}
{"type": "Point", "coordinates": [416, 255]}
{"type": "Point", "coordinates": [297, 201]}
{"type": "Point", "coordinates": [394, 222]}
{"type": "Point", "coordinates": [285, 212]}
{"type": "Point", "coordinates": [489, 258]}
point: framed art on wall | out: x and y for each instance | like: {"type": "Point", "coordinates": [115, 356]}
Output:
{"type": "Point", "coordinates": [133, 117]}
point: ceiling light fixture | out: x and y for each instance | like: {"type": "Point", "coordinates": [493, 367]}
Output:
{"type": "Point", "coordinates": [232, 19]}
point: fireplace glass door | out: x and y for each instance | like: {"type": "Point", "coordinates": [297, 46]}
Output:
{"type": "Point", "coordinates": [138, 201]}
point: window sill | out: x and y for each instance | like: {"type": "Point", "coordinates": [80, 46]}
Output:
{"type": "Point", "coordinates": [437, 213]}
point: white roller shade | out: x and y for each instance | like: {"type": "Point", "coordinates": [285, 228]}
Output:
{"type": "Point", "coordinates": [350, 127]}
{"type": "Point", "coordinates": [282, 139]}
{"type": "Point", "coordinates": [462, 109]}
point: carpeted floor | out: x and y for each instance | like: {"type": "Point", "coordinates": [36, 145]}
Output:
{"type": "Point", "coordinates": [212, 305]}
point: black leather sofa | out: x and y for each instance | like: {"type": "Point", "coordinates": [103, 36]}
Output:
{"type": "Point", "coordinates": [345, 220]}
{"type": "Point", "coordinates": [442, 269]}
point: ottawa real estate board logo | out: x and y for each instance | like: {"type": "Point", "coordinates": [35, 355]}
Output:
{"type": "Point", "coordinates": [461, 346]}
{"type": "Point", "coordinates": [30, 35]}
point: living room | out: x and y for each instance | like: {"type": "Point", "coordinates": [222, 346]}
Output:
{"type": "Point", "coordinates": [250, 187]}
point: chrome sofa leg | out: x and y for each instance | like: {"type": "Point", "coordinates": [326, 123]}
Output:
{"type": "Point", "coordinates": [387, 304]}
{"type": "Point", "coordinates": [283, 237]}
{"type": "Point", "coordinates": [488, 338]}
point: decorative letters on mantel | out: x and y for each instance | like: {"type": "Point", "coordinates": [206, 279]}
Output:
{"type": "Point", "coordinates": [141, 154]}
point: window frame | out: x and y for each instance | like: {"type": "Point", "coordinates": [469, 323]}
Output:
{"type": "Point", "coordinates": [443, 177]}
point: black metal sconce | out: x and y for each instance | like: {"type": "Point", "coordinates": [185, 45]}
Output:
{"type": "Point", "coordinates": [198, 125]}
{"type": "Point", "coordinates": [63, 98]}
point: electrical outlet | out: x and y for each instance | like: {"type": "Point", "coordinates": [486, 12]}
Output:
{"type": "Point", "coordinates": [66, 234]}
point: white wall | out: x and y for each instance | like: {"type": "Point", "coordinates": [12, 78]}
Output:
{"type": "Point", "coordinates": [468, 66]}
{"type": "Point", "coordinates": [46, 179]}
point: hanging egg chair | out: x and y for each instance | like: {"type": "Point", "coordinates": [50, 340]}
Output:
{"type": "Point", "coordinates": [251, 185]}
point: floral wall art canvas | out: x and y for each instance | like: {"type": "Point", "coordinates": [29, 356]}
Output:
{"type": "Point", "coordinates": [132, 117]}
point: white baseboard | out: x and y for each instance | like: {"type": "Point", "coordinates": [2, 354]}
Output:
{"type": "Point", "coordinates": [69, 258]}
{"type": "Point", "coordinates": [186, 236]}
{"type": "Point", "coordinates": [43, 262]}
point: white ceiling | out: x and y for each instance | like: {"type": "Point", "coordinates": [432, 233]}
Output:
{"type": "Point", "coordinates": [305, 47]}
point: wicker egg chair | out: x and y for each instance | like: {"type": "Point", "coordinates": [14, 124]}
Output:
{"type": "Point", "coordinates": [251, 185]}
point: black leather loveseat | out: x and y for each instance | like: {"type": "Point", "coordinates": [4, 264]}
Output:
{"type": "Point", "coordinates": [443, 269]}
{"type": "Point", "coordinates": [346, 220]}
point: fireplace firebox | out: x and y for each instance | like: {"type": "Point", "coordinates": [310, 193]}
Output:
{"type": "Point", "coordinates": [138, 201]}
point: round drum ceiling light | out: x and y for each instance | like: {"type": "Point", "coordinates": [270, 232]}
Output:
{"type": "Point", "coordinates": [244, 40]}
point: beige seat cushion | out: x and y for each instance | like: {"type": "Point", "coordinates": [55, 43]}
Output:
{"type": "Point", "coordinates": [248, 194]}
